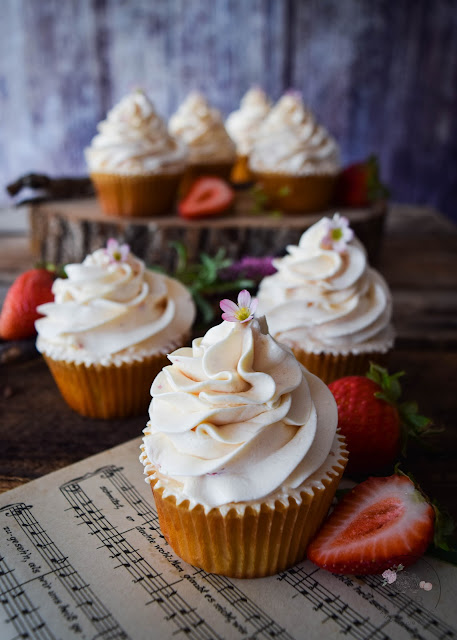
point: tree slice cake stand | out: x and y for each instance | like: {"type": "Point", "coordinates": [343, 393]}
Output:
{"type": "Point", "coordinates": [67, 230]}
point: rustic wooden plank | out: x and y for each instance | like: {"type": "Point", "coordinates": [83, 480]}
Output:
{"type": "Point", "coordinates": [380, 75]}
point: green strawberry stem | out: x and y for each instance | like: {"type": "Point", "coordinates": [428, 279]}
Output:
{"type": "Point", "coordinates": [375, 188]}
{"type": "Point", "coordinates": [412, 424]}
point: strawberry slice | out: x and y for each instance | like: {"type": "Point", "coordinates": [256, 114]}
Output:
{"type": "Point", "coordinates": [208, 196]}
{"type": "Point", "coordinates": [30, 289]}
{"type": "Point", "coordinates": [381, 523]}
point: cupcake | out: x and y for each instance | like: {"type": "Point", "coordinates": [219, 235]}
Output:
{"type": "Point", "coordinates": [242, 126]}
{"type": "Point", "coordinates": [327, 304]}
{"type": "Point", "coordinates": [109, 330]}
{"type": "Point", "coordinates": [241, 449]}
{"type": "Point", "coordinates": [134, 163]}
{"type": "Point", "coordinates": [294, 159]}
{"type": "Point", "coordinates": [201, 128]}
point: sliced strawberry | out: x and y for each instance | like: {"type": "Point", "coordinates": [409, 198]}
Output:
{"type": "Point", "coordinates": [30, 289]}
{"type": "Point", "coordinates": [381, 523]}
{"type": "Point", "coordinates": [208, 196]}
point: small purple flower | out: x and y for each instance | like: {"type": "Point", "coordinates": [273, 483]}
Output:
{"type": "Point", "coordinates": [117, 252]}
{"type": "Point", "coordinates": [249, 267]}
{"type": "Point", "coordinates": [337, 233]}
{"type": "Point", "coordinates": [241, 312]}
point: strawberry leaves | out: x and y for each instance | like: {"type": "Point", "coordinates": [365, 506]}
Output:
{"type": "Point", "coordinates": [412, 423]}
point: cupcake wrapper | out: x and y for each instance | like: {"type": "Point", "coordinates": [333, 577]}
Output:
{"type": "Point", "coordinates": [99, 391]}
{"type": "Point", "coordinates": [297, 194]}
{"type": "Point", "coordinates": [329, 367]}
{"type": "Point", "coordinates": [262, 540]}
{"type": "Point", "coordinates": [144, 195]}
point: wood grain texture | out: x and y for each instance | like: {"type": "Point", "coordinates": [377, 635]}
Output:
{"type": "Point", "coordinates": [382, 76]}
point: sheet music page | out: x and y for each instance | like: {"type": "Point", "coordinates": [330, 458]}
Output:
{"type": "Point", "coordinates": [82, 556]}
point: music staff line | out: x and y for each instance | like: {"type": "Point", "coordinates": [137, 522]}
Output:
{"type": "Point", "coordinates": [80, 593]}
{"type": "Point", "coordinates": [175, 608]}
{"type": "Point", "coordinates": [262, 624]}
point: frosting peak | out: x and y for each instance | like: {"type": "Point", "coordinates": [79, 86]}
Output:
{"type": "Point", "coordinates": [290, 141]}
{"type": "Point", "coordinates": [236, 417]}
{"type": "Point", "coordinates": [243, 124]}
{"type": "Point", "coordinates": [325, 296]}
{"type": "Point", "coordinates": [201, 128]}
{"type": "Point", "coordinates": [134, 139]}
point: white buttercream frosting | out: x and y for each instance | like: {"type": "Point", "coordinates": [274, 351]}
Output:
{"type": "Point", "coordinates": [290, 141]}
{"type": "Point", "coordinates": [322, 299]}
{"type": "Point", "coordinates": [202, 129]}
{"type": "Point", "coordinates": [134, 140]}
{"type": "Point", "coordinates": [113, 311]}
{"type": "Point", "coordinates": [243, 124]}
{"type": "Point", "coordinates": [236, 418]}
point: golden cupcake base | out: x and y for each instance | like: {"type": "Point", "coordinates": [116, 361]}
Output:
{"type": "Point", "coordinates": [136, 196]}
{"type": "Point", "coordinates": [258, 542]}
{"type": "Point", "coordinates": [99, 391]}
{"type": "Point", "coordinates": [329, 367]}
{"type": "Point", "coordinates": [297, 194]}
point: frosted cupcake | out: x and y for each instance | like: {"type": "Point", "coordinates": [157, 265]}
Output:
{"type": "Point", "coordinates": [294, 159]}
{"type": "Point", "coordinates": [241, 449]}
{"type": "Point", "coordinates": [327, 304]}
{"type": "Point", "coordinates": [242, 126]}
{"type": "Point", "coordinates": [201, 128]}
{"type": "Point", "coordinates": [134, 163]}
{"type": "Point", "coordinates": [109, 330]}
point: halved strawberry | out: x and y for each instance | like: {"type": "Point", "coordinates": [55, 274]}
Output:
{"type": "Point", "coordinates": [381, 523]}
{"type": "Point", "coordinates": [208, 196]}
{"type": "Point", "coordinates": [30, 289]}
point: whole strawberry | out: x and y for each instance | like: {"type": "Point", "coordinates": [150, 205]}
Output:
{"type": "Point", "coordinates": [359, 184]}
{"type": "Point", "coordinates": [30, 289]}
{"type": "Point", "coordinates": [381, 524]}
{"type": "Point", "coordinates": [373, 421]}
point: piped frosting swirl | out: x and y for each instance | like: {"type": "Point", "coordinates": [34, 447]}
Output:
{"type": "Point", "coordinates": [201, 128]}
{"type": "Point", "coordinates": [327, 298]}
{"type": "Point", "coordinates": [134, 140]}
{"type": "Point", "coordinates": [290, 141]}
{"type": "Point", "coordinates": [113, 308]}
{"type": "Point", "coordinates": [235, 418]}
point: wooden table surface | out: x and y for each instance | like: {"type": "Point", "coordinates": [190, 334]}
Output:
{"type": "Point", "coordinates": [39, 433]}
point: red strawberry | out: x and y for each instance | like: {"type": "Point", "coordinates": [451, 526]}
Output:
{"type": "Point", "coordinates": [372, 420]}
{"type": "Point", "coordinates": [381, 523]}
{"type": "Point", "coordinates": [32, 288]}
{"type": "Point", "coordinates": [359, 184]}
{"type": "Point", "coordinates": [208, 196]}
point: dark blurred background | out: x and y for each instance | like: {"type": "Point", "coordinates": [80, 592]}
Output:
{"type": "Point", "coordinates": [381, 75]}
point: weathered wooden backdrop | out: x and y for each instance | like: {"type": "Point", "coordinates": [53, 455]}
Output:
{"type": "Point", "coordinates": [380, 74]}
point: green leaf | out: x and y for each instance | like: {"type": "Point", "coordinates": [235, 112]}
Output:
{"type": "Point", "coordinates": [284, 191]}
{"type": "Point", "coordinates": [182, 256]}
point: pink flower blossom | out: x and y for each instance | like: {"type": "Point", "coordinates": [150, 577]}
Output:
{"type": "Point", "coordinates": [241, 312]}
{"type": "Point", "coordinates": [426, 586]}
{"type": "Point", "coordinates": [337, 233]}
{"type": "Point", "coordinates": [117, 252]}
{"type": "Point", "coordinates": [389, 576]}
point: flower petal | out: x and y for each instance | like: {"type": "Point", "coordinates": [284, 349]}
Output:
{"type": "Point", "coordinates": [244, 298]}
{"type": "Point", "coordinates": [228, 305]}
